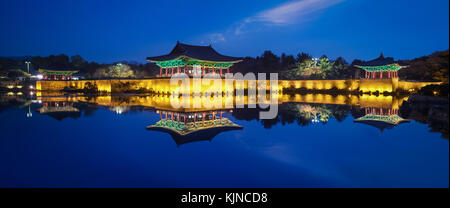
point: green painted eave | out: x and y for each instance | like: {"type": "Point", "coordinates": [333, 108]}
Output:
{"type": "Point", "coordinates": [54, 72]}
{"type": "Point", "coordinates": [393, 119]}
{"type": "Point", "coordinates": [390, 67]}
{"type": "Point", "coordinates": [189, 62]}
{"type": "Point", "coordinates": [182, 128]}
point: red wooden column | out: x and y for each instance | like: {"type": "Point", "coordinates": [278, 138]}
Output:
{"type": "Point", "coordinates": [178, 69]}
{"type": "Point", "coordinates": [167, 71]}
{"type": "Point", "coordinates": [220, 71]}
{"type": "Point", "coordinates": [381, 74]}
{"type": "Point", "coordinates": [228, 114]}
{"type": "Point", "coordinates": [228, 70]}
{"type": "Point", "coordinates": [213, 70]}
{"type": "Point", "coordinates": [160, 71]}
{"type": "Point", "coordinates": [203, 71]}
{"type": "Point", "coordinates": [220, 115]}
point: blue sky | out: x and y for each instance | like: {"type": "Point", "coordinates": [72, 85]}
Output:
{"type": "Point", "coordinates": [108, 31]}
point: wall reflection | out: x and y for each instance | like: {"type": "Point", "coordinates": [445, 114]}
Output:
{"type": "Point", "coordinates": [382, 112]}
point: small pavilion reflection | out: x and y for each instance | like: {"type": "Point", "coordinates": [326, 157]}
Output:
{"type": "Point", "coordinates": [59, 109]}
{"type": "Point", "coordinates": [381, 118]}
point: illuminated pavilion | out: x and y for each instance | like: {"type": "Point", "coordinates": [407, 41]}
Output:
{"type": "Point", "coordinates": [53, 73]}
{"type": "Point", "coordinates": [381, 118]}
{"type": "Point", "coordinates": [185, 127]}
{"type": "Point", "coordinates": [381, 67]}
{"type": "Point", "coordinates": [191, 60]}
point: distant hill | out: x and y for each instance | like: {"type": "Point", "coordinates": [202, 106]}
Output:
{"type": "Point", "coordinates": [17, 58]}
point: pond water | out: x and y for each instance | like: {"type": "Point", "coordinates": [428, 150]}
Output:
{"type": "Point", "coordinates": [315, 141]}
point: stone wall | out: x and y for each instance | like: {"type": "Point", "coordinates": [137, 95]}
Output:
{"type": "Point", "coordinates": [350, 84]}
{"type": "Point", "coordinates": [163, 85]}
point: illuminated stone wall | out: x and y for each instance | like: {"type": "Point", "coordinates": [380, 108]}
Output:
{"type": "Point", "coordinates": [350, 84]}
{"type": "Point", "coordinates": [163, 85]}
{"type": "Point", "coordinates": [414, 86]}
{"type": "Point", "coordinates": [380, 85]}
{"type": "Point", "coordinates": [103, 85]}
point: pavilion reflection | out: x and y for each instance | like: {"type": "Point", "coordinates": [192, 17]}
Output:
{"type": "Point", "coordinates": [185, 127]}
{"type": "Point", "coordinates": [381, 118]}
{"type": "Point", "coordinates": [379, 114]}
{"type": "Point", "coordinates": [304, 108]}
{"type": "Point", "coordinates": [59, 109]}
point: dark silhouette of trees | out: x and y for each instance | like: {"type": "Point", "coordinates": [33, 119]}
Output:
{"type": "Point", "coordinates": [288, 62]}
{"type": "Point", "coordinates": [432, 67]}
{"type": "Point", "coordinates": [269, 62]}
{"type": "Point", "coordinates": [302, 66]}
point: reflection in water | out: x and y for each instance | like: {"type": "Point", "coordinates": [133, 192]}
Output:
{"type": "Point", "coordinates": [187, 127]}
{"type": "Point", "coordinates": [381, 118]}
{"type": "Point", "coordinates": [59, 109]}
{"type": "Point", "coordinates": [312, 142]}
{"type": "Point", "coordinates": [383, 112]}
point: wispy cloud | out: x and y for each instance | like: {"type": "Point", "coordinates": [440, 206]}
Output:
{"type": "Point", "coordinates": [288, 13]}
{"type": "Point", "coordinates": [216, 37]}
{"type": "Point", "coordinates": [212, 38]}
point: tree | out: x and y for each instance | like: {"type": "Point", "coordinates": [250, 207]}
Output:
{"type": "Point", "coordinates": [269, 62]}
{"type": "Point", "coordinates": [115, 71]}
{"type": "Point", "coordinates": [301, 57]}
{"type": "Point", "coordinates": [339, 69]}
{"type": "Point", "coordinates": [324, 66]}
{"type": "Point", "coordinates": [287, 62]}
{"type": "Point", "coordinates": [78, 62]}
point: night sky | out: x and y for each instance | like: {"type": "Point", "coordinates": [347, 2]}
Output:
{"type": "Point", "coordinates": [113, 30]}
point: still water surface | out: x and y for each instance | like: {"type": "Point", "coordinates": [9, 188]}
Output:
{"type": "Point", "coordinates": [103, 142]}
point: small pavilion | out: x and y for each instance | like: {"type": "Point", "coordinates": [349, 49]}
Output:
{"type": "Point", "coordinates": [381, 67]}
{"type": "Point", "coordinates": [193, 60]}
{"type": "Point", "coordinates": [53, 73]}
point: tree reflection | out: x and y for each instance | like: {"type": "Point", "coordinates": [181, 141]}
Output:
{"type": "Point", "coordinates": [302, 114]}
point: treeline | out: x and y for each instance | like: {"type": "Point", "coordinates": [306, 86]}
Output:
{"type": "Point", "coordinates": [431, 67]}
{"type": "Point", "coordinates": [9, 66]}
{"type": "Point", "coordinates": [301, 66]}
